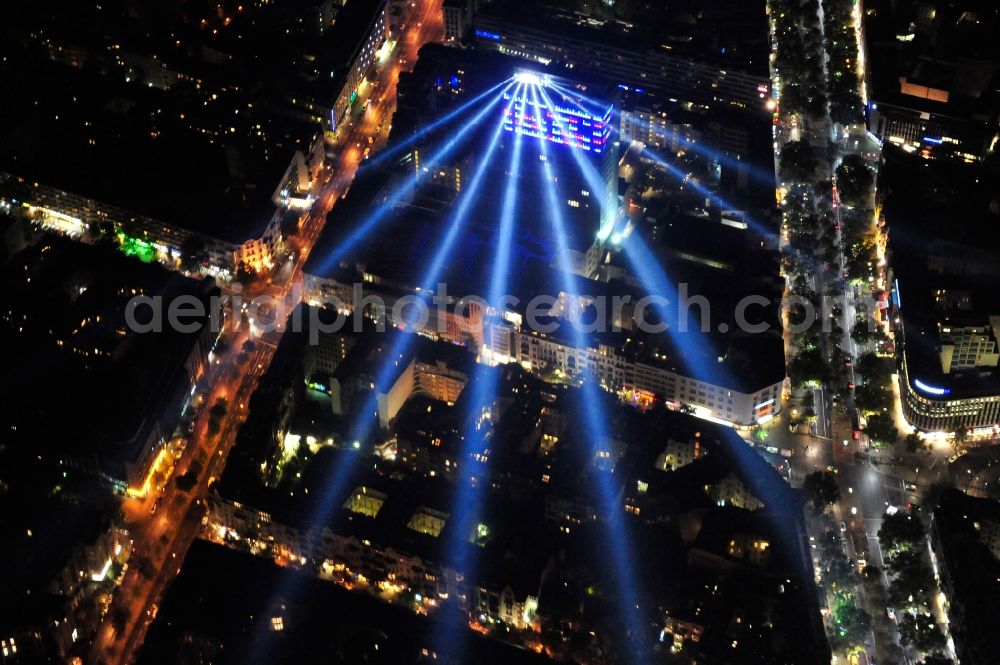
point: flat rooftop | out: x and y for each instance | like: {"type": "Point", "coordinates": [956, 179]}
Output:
{"type": "Point", "coordinates": [722, 265]}
{"type": "Point", "coordinates": [409, 238]}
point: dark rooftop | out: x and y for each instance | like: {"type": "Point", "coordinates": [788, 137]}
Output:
{"type": "Point", "coordinates": [950, 46]}
{"type": "Point", "coordinates": [973, 573]}
{"type": "Point", "coordinates": [81, 383]}
{"type": "Point", "coordinates": [39, 534]}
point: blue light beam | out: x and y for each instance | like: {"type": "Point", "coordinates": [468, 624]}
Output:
{"type": "Point", "coordinates": [721, 203]}
{"type": "Point", "coordinates": [591, 175]}
{"type": "Point", "coordinates": [756, 173]}
{"type": "Point", "coordinates": [683, 178]}
{"type": "Point", "coordinates": [373, 221]}
{"type": "Point", "coordinates": [467, 505]}
{"type": "Point", "coordinates": [368, 414]}
{"type": "Point", "coordinates": [393, 151]}
{"type": "Point", "coordinates": [762, 483]}
{"type": "Point", "coordinates": [695, 352]}
{"type": "Point", "coordinates": [335, 488]}
{"type": "Point", "coordinates": [655, 281]}
{"type": "Point", "coordinates": [596, 420]}
{"type": "Point", "coordinates": [772, 490]}
{"type": "Point", "coordinates": [580, 99]}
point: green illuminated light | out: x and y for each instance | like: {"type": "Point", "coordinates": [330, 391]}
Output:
{"type": "Point", "coordinates": [140, 249]}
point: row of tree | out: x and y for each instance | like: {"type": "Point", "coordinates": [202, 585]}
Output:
{"type": "Point", "coordinates": [842, 79]}
{"type": "Point", "coordinates": [802, 220]}
{"type": "Point", "coordinates": [799, 58]}
{"type": "Point", "coordinates": [912, 589]}
{"type": "Point", "coordinates": [812, 252]}
{"type": "Point", "coordinates": [810, 221]}
{"type": "Point", "coordinates": [850, 625]}
{"type": "Point", "coordinates": [873, 392]}
{"type": "Point", "coordinates": [873, 397]}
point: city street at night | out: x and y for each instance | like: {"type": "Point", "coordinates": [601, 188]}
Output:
{"type": "Point", "coordinates": [493, 331]}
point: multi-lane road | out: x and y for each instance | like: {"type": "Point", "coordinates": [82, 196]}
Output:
{"type": "Point", "coordinates": [866, 492]}
{"type": "Point", "coordinates": [367, 129]}
{"type": "Point", "coordinates": [163, 524]}
{"type": "Point", "coordinates": [181, 524]}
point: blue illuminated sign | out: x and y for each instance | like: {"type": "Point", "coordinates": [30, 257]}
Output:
{"type": "Point", "coordinates": [492, 36]}
{"type": "Point", "coordinates": [895, 294]}
{"type": "Point", "coordinates": [931, 390]}
{"type": "Point", "coordinates": [930, 139]}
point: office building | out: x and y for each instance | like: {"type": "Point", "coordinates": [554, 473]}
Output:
{"type": "Point", "coordinates": [944, 294]}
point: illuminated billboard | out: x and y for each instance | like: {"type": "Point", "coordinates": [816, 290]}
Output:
{"type": "Point", "coordinates": [555, 118]}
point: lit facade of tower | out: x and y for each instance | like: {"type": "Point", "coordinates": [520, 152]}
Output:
{"type": "Point", "coordinates": [546, 108]}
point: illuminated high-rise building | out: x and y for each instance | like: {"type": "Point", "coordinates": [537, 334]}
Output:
{"type": "Point", "coordinates": [554, 110]}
